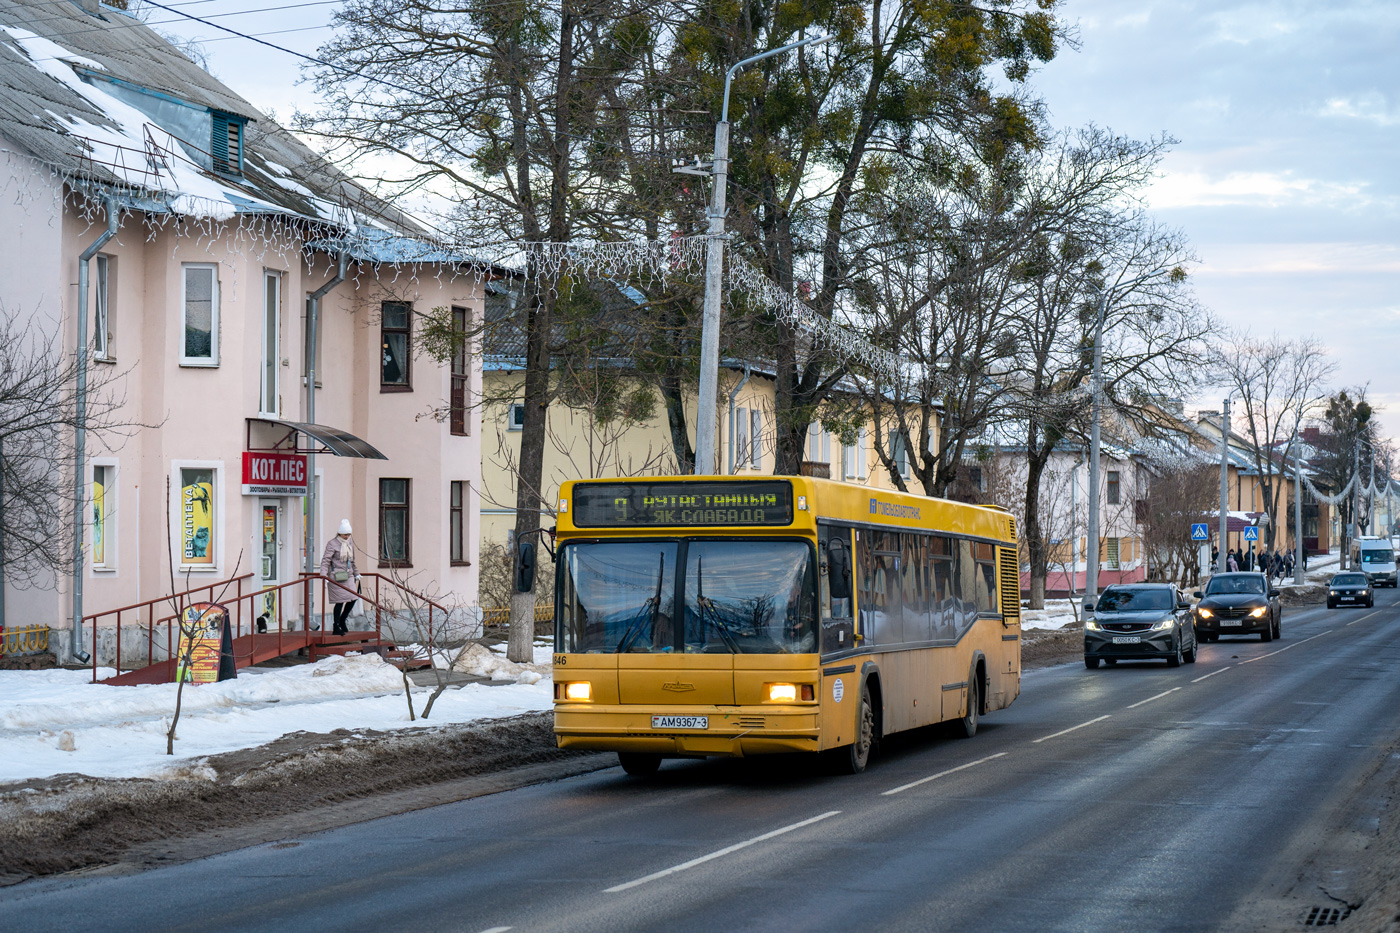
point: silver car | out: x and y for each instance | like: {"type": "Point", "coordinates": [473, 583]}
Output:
{"type": "Point", "coordinates": [1141, 621]}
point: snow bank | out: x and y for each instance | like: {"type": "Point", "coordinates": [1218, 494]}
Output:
{"type": "Point", "coordinates": [1057, 614]}
{"type": "Point", "coordinates": [484, 662]}
{"type": "Point", "coordinates": [55, 722]}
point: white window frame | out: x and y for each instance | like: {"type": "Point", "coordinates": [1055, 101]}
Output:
{"type": "Point", "coordinates": [213, 358]}
{"type": "Point", "coordinates": [512, 424]}
{"type": "Point", "coordinates": [742, 447]}
{"type": "Point", "coordinates": [219, 515]}
{"type": "Point", "coordinates": [899, 454]}
{"type": "Point", "coordinates": [271, 345]}
{"type": "Point", "coordinates": [109, 515]}
{"type": "Point", "coordinates": [102, 309]}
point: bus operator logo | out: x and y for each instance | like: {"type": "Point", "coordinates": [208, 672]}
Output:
{"type": "Point", "coordinates": [894, 509]}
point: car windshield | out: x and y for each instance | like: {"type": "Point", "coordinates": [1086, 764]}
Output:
{"type": "Point", "coordinates": [1378, 556]}
{"type": "Point", "coordinates": [737, 597]}
{"type": "Point", "coordinates": [1250, 585]}
{"type": "Point", "coordinates": [1349, 579]}
{"type": "Point", "coordinates": [1153, 600]}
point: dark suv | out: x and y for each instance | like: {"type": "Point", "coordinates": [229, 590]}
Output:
{"type": "Point", "coordinates": [1135, 622]}
{"type": "Point", "coordinates": [1239, 604]}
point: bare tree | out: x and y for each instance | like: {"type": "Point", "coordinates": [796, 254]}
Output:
{"type": "Point", "coordinates": [1280, 382]}
{"type": "Point", "coordinates": [38, 414]}
{"type": "Point", "coordinates": [1183, 488]}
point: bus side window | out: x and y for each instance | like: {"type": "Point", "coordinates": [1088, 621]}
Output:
{"type": "Point", "coordinates": [834, 589]}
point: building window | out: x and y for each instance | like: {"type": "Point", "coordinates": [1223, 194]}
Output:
{"type": "Point", "coordinates": [394, 362]}
{"type": "Point", "coordinates": [104, 500]}
{"type": "Point", "coordinates": [974, 476]}
{"type": "Point", "coordinates": [199, 318]}
{"type": "Point", "coordinates": [102, 309]}
{"type": "Point", "coordinates": [226, 143]}
{"type": "Point", "coordinates": [1110, 552]}
{"type": "Point", "coordinates": [755, 436]}
{"type": "Point", "coordinates": [394, 523]}
{"type": "Point", "coordinates": [197, 504]}
{"type": "Point", "coordinates": [456, 525]}
{"type": "Point", "coordinates": [741, 438]}
{"type": "Point", "coordinates": [515, 418]}
{"type": "Point", "coordinates": [457, 421]}
{"type": "Point", "coordinates": [899, 454]}
{"type": "Point", "coordinates": [1114, 487]}
{"type": "Point", "coordinates": [855, 457]}
{"type": "Point", "coordinates": [271, 346]}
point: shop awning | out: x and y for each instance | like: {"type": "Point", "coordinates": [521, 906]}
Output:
{"type": "Point", "coordinates": [330, 440]}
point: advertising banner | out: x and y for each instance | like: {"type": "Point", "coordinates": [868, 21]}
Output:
{"type": "Point", "coordinates": [268, 474]}
{"type": "Point", "coordinates": [201, 637]}
{"type": "Point", "coordinates": [197, 517]}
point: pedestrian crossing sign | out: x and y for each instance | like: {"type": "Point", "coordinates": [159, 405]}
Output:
{"type": "Point", "coordinates": [1199, 532]}
{"type": "Point", "coordinates": [1251, 533]}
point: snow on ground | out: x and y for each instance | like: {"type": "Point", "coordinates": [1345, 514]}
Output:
{"type": "Point", "coordinates": [57, 721]}
{"type": "Point", "coordinates": [1057, 614]}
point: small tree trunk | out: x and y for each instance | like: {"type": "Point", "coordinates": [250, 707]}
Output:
{"type": "Point", "coordinates": [407, 690]}
{"type": "Point", "coordinates": [427, 709]}
{"type": "Point", "coordinates": [521, 648]}
{"type": "Point", "coordinates": [1035, 537]}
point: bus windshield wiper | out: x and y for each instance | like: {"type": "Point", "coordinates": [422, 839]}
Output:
{"type": "Point", "coordinates": [654, 604]}
{"type": "Point", "coordinates": [702, 603]}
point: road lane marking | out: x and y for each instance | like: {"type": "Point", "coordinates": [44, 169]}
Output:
{"type": "Point", "coordinates": [496, 930]}
{"type": "Point", "coordinates": [934, 777]}
{"type": "Point", "coordinates": [720, 854]}
{"type": "Point", "coordinates": [1157, 697]}
{"type": "Point", "coordinates": [1282, 650]}
{"type": "Point", "coordinates": [1213, 673]}
{"type": "Point", "coordinates": [1365, 617]}
{"type": "Point", "coordinates": [1067, 731]}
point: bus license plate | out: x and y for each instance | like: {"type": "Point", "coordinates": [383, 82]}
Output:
{"type": "Point", "coordinates": [680, 722]}
{"type": "Point", "coordinates": [1126, 639]}
{"type": "Point", "coordinates": [1229, 622]}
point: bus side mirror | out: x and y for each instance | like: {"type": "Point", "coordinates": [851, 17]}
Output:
{"type": "Point", "coordinates": [838, 561]}
{"type": "Point", "coordinates": [525, 566]}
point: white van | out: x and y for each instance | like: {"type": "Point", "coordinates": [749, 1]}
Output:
{"type": "Point", "coordinates": [1376, 558]}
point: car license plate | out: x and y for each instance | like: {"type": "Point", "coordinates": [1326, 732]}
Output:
{"type": "Point", "coordinates": [1231, 622]}
{"type": "Point", "coordinates": [680, 722]}
{"type": "Point", "coordinates": [1126, 639]}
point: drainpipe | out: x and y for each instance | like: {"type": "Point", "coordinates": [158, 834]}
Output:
{"type": "Point", "coordinates": [313, 308]}
{"type": "Point", "coordinates": [733, 395]}
{"type": "Point", "coordinates": [80, 427]}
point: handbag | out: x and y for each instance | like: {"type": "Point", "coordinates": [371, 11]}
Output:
{"type": "Point", "coordinates": [340, 576]}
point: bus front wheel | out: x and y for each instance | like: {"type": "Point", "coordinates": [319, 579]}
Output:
{"type": "Point", "coordinates": [968, 723]}
{"type": "Point", "coordinates": [638, 765]}
{"type": "Point", "coordinates": [852, 759]}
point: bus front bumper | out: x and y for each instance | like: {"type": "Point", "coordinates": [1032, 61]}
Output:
{"type": "Point", "coordinates": [729, 731]}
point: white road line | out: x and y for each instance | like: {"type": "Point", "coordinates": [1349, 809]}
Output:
{"type": "Point", "coordinates": [496, 930]}
{"type": "Point", "coordinates": [1213, 673]}
{"type": "Point", "coordinates": [1067, 731]}
{"type": "Point", "coordinates": [1282, 650]}
{"type": "Point", "coordinates": [1157, 697]}
{"type": "Point", "coordinates": [720, 854]}
{"type": "Point", "coordinates": [934, 777]}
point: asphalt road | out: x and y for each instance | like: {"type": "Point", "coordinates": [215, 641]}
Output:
{"type": "Point", "coordinates": [1226, 794]}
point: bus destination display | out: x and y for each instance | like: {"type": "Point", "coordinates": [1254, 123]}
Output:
{"type": "Point", "coordinates": [682, 503]}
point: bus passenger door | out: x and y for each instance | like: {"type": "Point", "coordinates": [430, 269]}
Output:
{"type": "Point", "coordinates": [838, 624]}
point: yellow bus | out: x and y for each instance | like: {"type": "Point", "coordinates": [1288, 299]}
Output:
{"type": "Point", "coordinates": [734, 616]}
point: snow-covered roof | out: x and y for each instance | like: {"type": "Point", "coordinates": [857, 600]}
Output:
{"type": "Point", "coordinates": [101, 98]}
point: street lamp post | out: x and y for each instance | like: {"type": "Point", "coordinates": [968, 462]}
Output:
{"type": "Point", "coordinates": [705, 461]}
{"type": "Point", "coordinates": [1091, 556]}
{"type": "Point", "coordinates": [1297, 514]}
{"type": "Point", "coordinates": [1224, 485]}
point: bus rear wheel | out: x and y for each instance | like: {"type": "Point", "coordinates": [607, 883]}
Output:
{"type": "Point", "coordinates": [968, 723]}
{"type": "Point", "coordinates": [638, 765]}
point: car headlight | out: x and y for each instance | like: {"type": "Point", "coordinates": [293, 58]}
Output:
{"type": "Point", "coordinates": [1333, 593]}
{"type": "Point", "coordinates": [1091, 626]}
{"type": "Point", "coordinates": [1163, 625]}
{"type": "Point", "coordinates": [1259, 613]}
{"type": "Point", "coordinates": [1205, 613]}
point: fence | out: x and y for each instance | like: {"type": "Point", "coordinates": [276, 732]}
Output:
{"type": "Point", "coordinates": [28, 639]}
{"type": "Point", "coordinates": [500, 617]}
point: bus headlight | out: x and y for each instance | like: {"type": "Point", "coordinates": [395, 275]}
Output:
{"type": "Point", "coordinates": [1259, 613]}
{"type": "Point", "coordinates": [782, 693]}
{"type": "Point", "coordinates": [578, 690]}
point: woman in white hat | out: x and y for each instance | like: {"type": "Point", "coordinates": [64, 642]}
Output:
{"type": "Point", "coordinates": [338, 566]}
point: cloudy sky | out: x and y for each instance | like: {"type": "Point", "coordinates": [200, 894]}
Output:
{"type": "Point", "coordinates": [1285, 178]}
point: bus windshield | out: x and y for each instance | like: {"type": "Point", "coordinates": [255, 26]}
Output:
{"type": "Point", "coordinates": [1378, 555]}
{"type": "Point", "coordinates": [740, 597]}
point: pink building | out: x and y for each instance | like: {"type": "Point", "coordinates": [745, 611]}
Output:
{"type": "Point", "coordinates": [225, 226]}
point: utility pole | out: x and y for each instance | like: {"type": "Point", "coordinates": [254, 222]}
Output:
{"type": "Point", "coordinates": [1354, 526]}
{"type": "Point", "coordinates": [1073, 528]}
{"type": "Point", "coordinates": [1091, 572]}
{"type": "Point", "coordinates": [1297, 514]}
{"type": "Point", "coordinates": [705, 461]}
{"type": "Point", "coordinates": [1224, 483]}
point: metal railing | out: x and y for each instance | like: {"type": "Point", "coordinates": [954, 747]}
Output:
{"type": "Point", "coordinates": [179, 600]}
{"type": "Point", "coordinates": [280, 630]}
{"type": "Point", "coordinates": [544, 612]}
{"type": "Point", "coordinates": [27, 639]}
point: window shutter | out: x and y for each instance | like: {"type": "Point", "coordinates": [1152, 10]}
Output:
{"type": "Point", "coordinates": [742, 443]}
{"type": "Point", "coordinates": [860, 455]}
{"type": "Point", "coordinates": [226, 144]}
{"type": "Point", "coordinates": [756, 453]}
